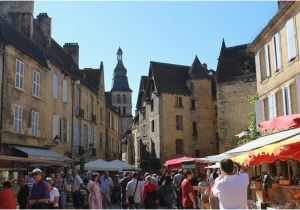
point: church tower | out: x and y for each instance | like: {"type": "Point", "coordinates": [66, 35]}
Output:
{"type": "Point", "coordinates": [121, 93]}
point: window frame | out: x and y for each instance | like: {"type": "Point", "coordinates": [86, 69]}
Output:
{"type": "Point", "coordinates": [18, 118]}
{"type": "Point", "coordinates": [19, 75]}
{"type": "Point", "coordinates": [36, 83]}
{"type": "Point", "coordinates": [35, 117]}
{"type": "Point", "coordinates": [179, 146]}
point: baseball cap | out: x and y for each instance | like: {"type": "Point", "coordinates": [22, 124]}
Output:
{"type": "Point", "coordinates": [37, 170]}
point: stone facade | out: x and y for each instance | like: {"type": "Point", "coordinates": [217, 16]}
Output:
{"type": "Point", "coordinates": [175, 114]}
{"type": "Point", "coordinates": [276, 52]}
{"type": "Point", "coordinates": [41, 81]}
{"type": "Point", "coordinates": [236, 82]}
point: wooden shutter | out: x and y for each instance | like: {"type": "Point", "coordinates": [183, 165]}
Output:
{"type": "Point", "coordinates": [95, 137]}
{"type": "Point", "coordinates": [290, 38]}
{"type": "Point", "coordinates": [55, 124]}
{"type": "Point", "coordinates": [65, 91]}
{"type": "Point", "coordinates": [259, 113]}
{"type": "Point", "coordinates": [277, 52]}
{"type": "Point", "coordinates": [258, 67]}
{"type": "Point", "coordinates": [55, 86]}
{"type": "Point", "coordinates": [68, 131]}
{"type": "Point", "coordinates": [267, 63]}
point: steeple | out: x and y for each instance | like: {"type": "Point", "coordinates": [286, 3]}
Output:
{"type": "Point", "coordinates": [196, 68]}
{"type": "Point", "coordinates": [120, 81]}
{"type": "Point", "coordinates": [223, 44]}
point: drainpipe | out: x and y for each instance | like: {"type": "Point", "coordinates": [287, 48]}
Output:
{"type": "Point", "coordinates": [2, 53]}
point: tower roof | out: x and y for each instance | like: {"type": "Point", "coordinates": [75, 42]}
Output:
{"type": "Point", "coordinates": [120, 81]}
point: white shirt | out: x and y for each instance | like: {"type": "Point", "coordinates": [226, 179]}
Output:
{"type": "Point", "coordinates": [138, 193]}
{"type": "Point", "coordinates": [53, 193]}
{"type": "Point", "coordinates": [76, 183]}
{"type": "Point", "coordinates": [232, 191]}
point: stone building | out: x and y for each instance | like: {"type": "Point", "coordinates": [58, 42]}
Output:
{"type": "Point", "coordinates": [176, 113]}
{"type": "Point", "coordinates": [236, 81]}
{"type": "Point", "coordinates": [113, 130]}
{"type": "Point", "coordinates": [121, 93]}
{"type": "Point", "coordinates": [38, 79]}
{"type": "Point", "coordinates": [276, 50]}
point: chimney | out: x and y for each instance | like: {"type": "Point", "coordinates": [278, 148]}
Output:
{"type": "Point", "coordinates": [204, 66]}
{"type": "Point", "coordinates": [44, 23]}
{"type": "Point", "coordinates": [72, 49]}
{"type": "Point", "coordinates": [281, 4]}
{"type": "Point", "coordinates": [19, 14]}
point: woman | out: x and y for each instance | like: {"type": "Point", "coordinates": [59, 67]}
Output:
{"type": "Point", "coordinates": [168, 191]}
{"type": "Point", "coordinates": [149, 194]}
{"type": "Point", "coordinates": [54, 194]}
{"type": "Point", "coordinates": [7, 197]}
{"type": "Point", "coordinates": [95, 197]}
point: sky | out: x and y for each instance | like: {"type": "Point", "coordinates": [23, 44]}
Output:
{"type": "Point", "coordinates": [163, 31]}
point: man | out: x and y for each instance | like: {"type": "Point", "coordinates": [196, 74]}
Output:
{"type": "Point", "coordinates": [106, 186]}
{"type": "Point", "coordinates": [177, 186]}
{"type": "Point", "coordinates": [134, 188]}
{"type": "Point", "coordinates": [7, 197]}
{"type": "Point", "coordinates": [188, 194]}
{"type": "Point", "coordinates": [230, 188]}
{"type": "Point", "coordinates": [123, 185]}
{"type": "Point", "coordinates": [39, 194]}
{"type": "Point", "coordinates": [23, 193]}
{"type": "Point", "coordinates": [76, 187]}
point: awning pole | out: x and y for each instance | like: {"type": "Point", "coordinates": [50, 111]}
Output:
{"type": "Point", "coordinates": [289, 173]}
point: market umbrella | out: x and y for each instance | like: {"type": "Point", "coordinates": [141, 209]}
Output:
{"type": "Point", "coordinates": [174, 163]}
{"type": "Point", "coordinates": [99, 165]}
{"type": "Point", "coordinates": [282, 122]}
{"type": "Point", "coordinates": [122, 165]}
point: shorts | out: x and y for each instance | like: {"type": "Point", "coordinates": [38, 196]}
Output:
{"type": "Point", "coordinates": [107, 197]}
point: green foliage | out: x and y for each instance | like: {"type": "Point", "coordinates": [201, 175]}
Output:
{"type": "Point", "coordinates": [252, 118]}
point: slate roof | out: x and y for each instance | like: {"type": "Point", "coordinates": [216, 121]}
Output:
{"type": "Point", "coordinates": [23, 43]}
{"type": "Point", "coordinates": [197, 70]}
{"type": "Point", "coordinates": [142, 90]}
{"type": "Point", "coordinates": [170, 78]}
{"type": "Point", "coordinates": [235, 62]}
{"type": "Point", "coordinates": [91, 78]}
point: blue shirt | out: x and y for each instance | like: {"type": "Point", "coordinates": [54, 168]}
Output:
{"type": "Point", "coordinates": [39, 190]}
{"type": "Point", "coordinates": [106, 183]}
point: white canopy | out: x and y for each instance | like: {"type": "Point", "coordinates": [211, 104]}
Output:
{"type": "Point", "coordinates": [217, 165]}
{"type": "Point", "coordinates": [99, 165]}
{"type": "Point", "coordinates": [265, 140]}
{"type": "Point", "coordinates": [122, 165]}
{"type": "Point", "coordinates": [213, 158]}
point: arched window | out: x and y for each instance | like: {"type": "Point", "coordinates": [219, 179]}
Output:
{"type": "Point", "coordinates": [124, 98]}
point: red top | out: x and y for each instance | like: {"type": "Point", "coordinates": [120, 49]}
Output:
{"type": "Point", "coordinates": [7, 199]}
{"type": "Point", "coordinates": [187, 188]}
{"type": "Point", "coordinates": [148, 187]}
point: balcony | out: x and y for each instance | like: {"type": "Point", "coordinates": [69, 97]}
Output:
{"type": "Point", "coordinates": [93, 118]}
{"type": "Point", "coordinates": [92, 152]}
{"type": "Point", "coordinates": [80, 113]}
{"type": "Point", "coordinates": [79, 150]}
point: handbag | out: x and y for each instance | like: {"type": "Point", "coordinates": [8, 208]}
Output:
{"type": "Point", "coordinates": [131, 198]}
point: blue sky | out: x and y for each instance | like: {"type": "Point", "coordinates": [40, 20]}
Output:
{"type": "Point", "coordinates": [170, 32]}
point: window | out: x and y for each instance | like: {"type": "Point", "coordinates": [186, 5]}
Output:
{"type": "Point", "coordinates": [179, 125]}
{"type": "Point", "coordinates": [124, 110]}
{"type": "Point", "coordinates": [193, 104]}
{"type": "Point", "coordinates": [178, 102]}
{"type": "Point", "coordinates": [34, 123]}
{"type": "Point", "coordinates": [179, 146]}
{"type": "Point", "coordinates": [197, 153]}
{"type": "Point", "coordinates": [291, 39]}
{"type": "Point", "coordinates": [286, 100]}
{"type": "Point", "coordinates": [152, 125]}
{"type": "Point", "coordinates": [277, 53]}
{"type": "Point", "coordinates": [118, 98]}
{"type": "Point", "coordinates": [263, 61]}
{"type": "Point", "coordinates": [18, 115]}
{"type": "Point", "coordinates": [64, 129]}
{"type": "Point", "coordinates": [152, 105]}
{"type": "Point", "coordinates": [19, 83]}
{"type": "Point", "coordinates": [124, 99]}
{"type": "Point", "coordinates": [119, 110]}
{"type": "Point", "coordinates": [92, 105]}
{"type": "Point", "coordinates": [55, 86]}
{"type": "Point", "coordinates": [36, 79]}
{"type": "Point", "coordinates": [77, 99]}
{"type": "Point", "coordinates": [272, 106]}
{"type": "Point", "coordinates": [55, 126]}
{"type": "Point", "coordinates": [65, 91]}
{"type": "Point", "coordinates": [194, 129]}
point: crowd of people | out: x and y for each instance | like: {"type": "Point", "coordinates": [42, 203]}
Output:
{"type": "Point", "coordinates": [222, 188]}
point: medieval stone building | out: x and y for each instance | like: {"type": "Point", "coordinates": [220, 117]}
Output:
{"type": "Point", "coordinates": [175, 113]}
{"type": "Point", "coordinates": [236, 81]}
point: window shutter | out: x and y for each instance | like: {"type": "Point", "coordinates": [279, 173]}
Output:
{"type": "Point", "coordinates": [258, 67]}
{"type": "Point", "coordinates": [75, 133]}
{"type": "Point", "coordinates": [55, 121]}
{"type": "Point", "coordinates": [289, 100]}
{"type": "Point", "coordinates": [259, 113]}
{"type": "Point", "coordinates": [283, 101]}
{"type": "Point", "coordinates": [89, 135]}
{"type": "Point", "coordinates": [274, 104]}
{"type": "Point", "coordinates": [82, 135]}
{"type": "Point", "coordinates": [290, 38]}
{"type": "Point", "coordinates": [68, 131]}
{"type": "Point", "coordinates": [55, 86]}
{"type": "Point", "coordinates": [95, 137]}
{"type": "Point", "coordinates": [65, 91]}
{"type": "Point", "coordinates": [268, 73]}
{"type": "Point", "coordinates": [277, 52]}
{"type": "Point", "coordinates": [298, 91]}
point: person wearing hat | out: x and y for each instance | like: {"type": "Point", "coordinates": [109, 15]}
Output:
{"type": "Point", "coordinates": [95, 197]}
{"type": "Point", "coordinates": [40, 196]}
{"type": "Point", "coordinates": [54, 194]}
